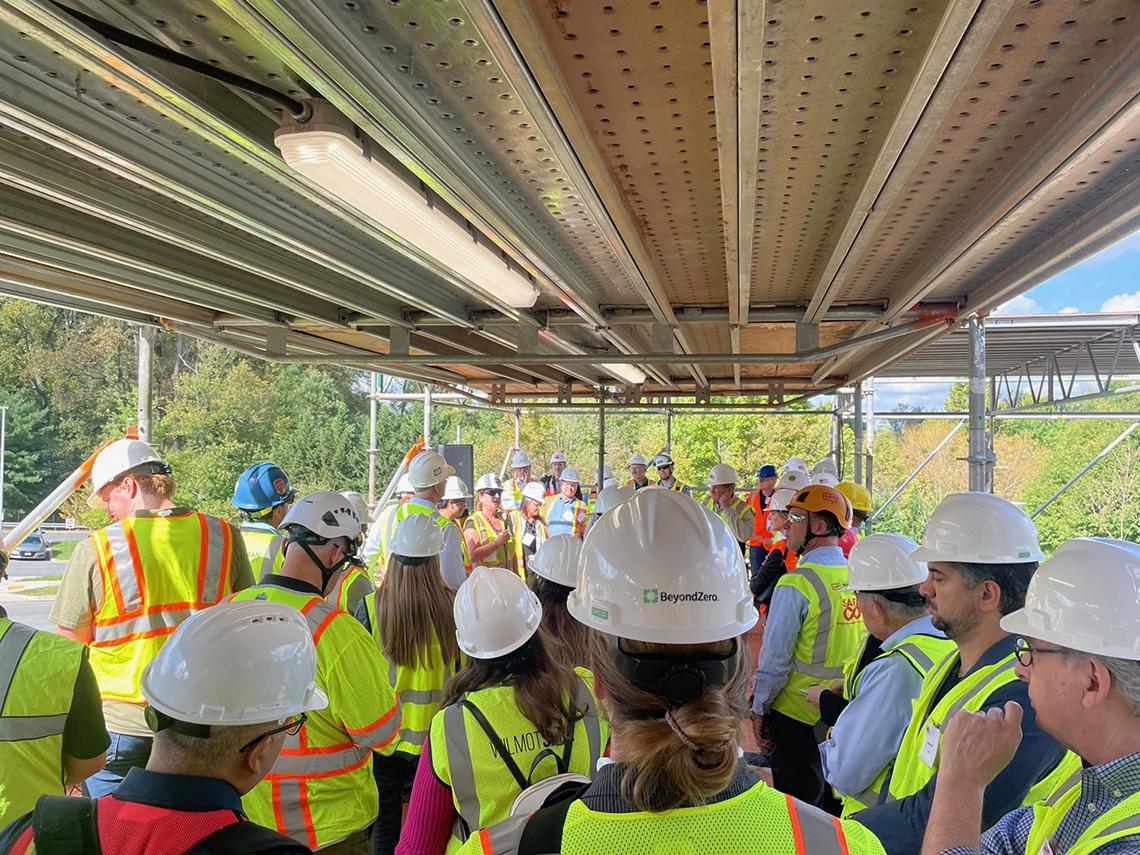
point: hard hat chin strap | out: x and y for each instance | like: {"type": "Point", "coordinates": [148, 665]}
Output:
{"type": "Point", "coordinates": [327, 572]}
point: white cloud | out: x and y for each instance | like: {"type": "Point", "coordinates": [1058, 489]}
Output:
{"type": "Point", "coordinates": [1122, 303]}
{"type": "Point", "coordinates": [1069, 310]}
{"type": "Point", "coordinates": [1022, 304]}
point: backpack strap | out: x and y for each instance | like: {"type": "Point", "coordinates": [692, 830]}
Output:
{"type": "Point", "coordinates": [496, 742]}
{"type": "Point", "coordinates": [245, 838]}
{"type": "Point", "coordinates": [542, 834]}
{"type": "Point", "coordinates": [561, 763]}
{"type": "Point", "coordinates": [65, 824]}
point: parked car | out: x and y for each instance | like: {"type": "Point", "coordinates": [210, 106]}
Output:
{"type": "Point", "coordinates": [34, 548]}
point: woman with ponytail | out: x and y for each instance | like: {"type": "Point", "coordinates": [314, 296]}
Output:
{"type": "Point", "coordinates": [513, 716]}
{"type": "Point", "coordinates": [664, 593]}
{"type": "Point", "coordinates": [554, 574]}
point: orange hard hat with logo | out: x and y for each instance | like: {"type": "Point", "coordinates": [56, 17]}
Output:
{"type": "Point", "coordinates": [818, 498]}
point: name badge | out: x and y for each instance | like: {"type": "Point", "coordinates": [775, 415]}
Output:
{"type": "Point", "coordinates": [931, 739]}
{"type": "Point", "coordinates": [1046, 849]}
{"type": "Point", "coordinates": [528, 540]}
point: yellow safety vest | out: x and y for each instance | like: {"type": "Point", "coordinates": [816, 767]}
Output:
{"type": "Point", "coordinates": [155, 571]}
{"type": "Point", "coordinates": [482, 786]}
{"type": "Point", "coordinates": [631, 483]}
{"type": "Point", "coordinates": [923, 652]}
{"type": "Point", "coordinates": [320, 789]}
{"type": "Point", "coordinates": [831, 634]}
{"type": "Point", "coordinates": [38, 671]}
{"type": "Point", "coordinates": [467, 565]}
{"type": "Point", "coordinates": [389, 524]}
{"type": "Point", "coordinates": [1120, 821]}
{"type": "Point", "coordinates": [263, 545]}
{"type": "Point", "coordinates": [677, 486]}
{"type": "Point", "coordinates": [575, 524]}
{"type": "Point", "coordinates": [759, 821]}
{"type": "Point", "coordinates": [912, 771]}
{"type": "Point", "coordinates": [352, 585]}
{"type": "Point", "coordinates": [517, 526]}
{"type": "Point", "coordinates": [501, 557]}
{"type": "Point", "coordinates": [419, 687]}
{"type": "Point", "coordinates": [737, 508]}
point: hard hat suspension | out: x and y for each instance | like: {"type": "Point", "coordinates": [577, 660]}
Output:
{"type": "Point", "coordinates": [678, 680]}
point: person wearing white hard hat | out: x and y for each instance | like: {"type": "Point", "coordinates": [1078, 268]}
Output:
{"type": "Point", "coordinates": [664, 593]}
{"type": "Point", "coordinates": [321, 790]}
{"type": "Point", "coordinates": [222, 695]}
{"type": "Point", "coordinates": [870, 710]}
{"type": "Point", "coordinates": [554, 574]}
{"type": "Point", "coordinates": [663, 463]}
{"type": "Point", "coordinates": [453, 507]}
{"type": "Point", "coordinates": [127, 586]}
{"type": "Point", "coordinates": [352, 582]}
{"type": "Point", "coordinates": [521, 466]}
{"type": "Point", "coordinates": [794, 464]}
{"type": "Point", "coordinates": [528, 526]}
{"type": "Point", "coordinates": [411, 621]}
{"type": "Point", "coordinates": [566, 513]}
{"type": "Point", "coordinates": [778, 560]}
{"type": "Point", "coordinates": [734, 511]}
{"type": "Point", "coordinates": [513, 716]}
{"type": "Point", "coordinates": [552, 482]}
{"type": "Point", "coordinates": [1078, 650]}
{"type": "Point", "coordinates": [428, 472]}
{"type": "Point", "coordinates": [382, 523]}
{"type": "Point", "coordinates": [981, 552]}
{"type": "Point", "coordinates": [637, 468]}
{"type": "Point", "coordinates": [488, 536]}
{"type": "Point", "coordinates": [609, 498]}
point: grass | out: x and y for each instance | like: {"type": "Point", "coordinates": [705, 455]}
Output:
{"type": "Point", "coordinates": [42, 591]}
{"type": "Point", "coordinates": [61, 549]}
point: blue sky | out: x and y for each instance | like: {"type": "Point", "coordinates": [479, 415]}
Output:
{"type": "Point", "coordinates": [1107, 282]}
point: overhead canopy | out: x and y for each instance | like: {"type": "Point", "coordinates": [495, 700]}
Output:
{"type": "Point", "coordinates": [801, 193]}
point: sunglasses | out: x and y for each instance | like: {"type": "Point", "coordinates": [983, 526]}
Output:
{"type": "Point", "coordinates": [795, 518]}
{"type": "Point", "coordinates": [292, 728]}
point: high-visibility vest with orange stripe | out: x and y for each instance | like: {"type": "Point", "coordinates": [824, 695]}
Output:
{"type": "Point", "coordinates": [759, 821]}
{"type": "Point", "coordinates": [352, 586]}
{"type": "Point", "coordinates": [501, 557]}
{"type": "Point", "coordinates": [518, 528]}
{"type": "Point", "coordinates": [761, 534]}
{"type": "Point", "coordinates": [155, 570]}
{"type": "Point", "coordinates": [321, 789]}
{"type": "Point", "coordinates": [565, 517]}
{"type": "Point", "coordinates": [391, 522]}
{"type": "Point", "coordinates": [263, 546]}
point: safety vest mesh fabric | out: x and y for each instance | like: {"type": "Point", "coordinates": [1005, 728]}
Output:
{"type": "Point", "coordinates": [126, 828]}
{"type": "Point", "coordinates": [321, 789]}
{"type": "Point", "coordinates": [737, 509]}
{"type": "Point", "coordinates": [676, 486]}
{"type": "Point", "coordinates": [761, 535]}
{"type": "Point", "coordinates": [501, 557]}
{"type": "Point", "coordinates": [352, 586]}
{"type": "Point", "coordinates": [637, 486]}
{"type": "Point", "coordinates": [517, 527]}
{"type": "Point", "coordinates": [37, 682]}
{"type": "Point", "coordinates": [923, 652]}
{"type": "Point", "coordinates": [155, 571]}
{"type": "Point", "coordinates": [830, 634]}
{"type": "Point", "coordinates": [263, 545]}
{"type": "Point", "coordinates": [1117, 822]}
{"type": "Point", "coordinates": [419, 687]}
{"type": "Point", "coordinates": [467, 565]}
{"type": "Point", "coordinates": [575, 525]}
{"type": "Point", "coordinates": [390, 523]}
{"type": "Point", "coordinates": [482, 787]}
{"type": "Point", "coordinates": [759, 821]}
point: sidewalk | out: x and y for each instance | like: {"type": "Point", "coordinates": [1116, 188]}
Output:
{"type": "Point", "coordinates": [30, 610]}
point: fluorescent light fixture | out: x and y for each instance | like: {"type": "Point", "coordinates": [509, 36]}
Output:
{"type": "Point", "coordinates": [630, 374]}
{"type": "Point", "coordinates": [335, 161]}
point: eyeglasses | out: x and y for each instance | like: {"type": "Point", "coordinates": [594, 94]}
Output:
{"type": "Point", "coordinates": [795, 518]}
{"type": "Point", "coordinates": [292, 728]}
{"type": "Point", "coordinates": [1025, 652]}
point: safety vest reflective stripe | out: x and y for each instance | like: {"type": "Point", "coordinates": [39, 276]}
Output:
{"type": "Point", "coordinates": [1121, 820]}
{"type": "Point", "coordinates": [816, 668]}
{"type": "Point", "coordinates": [162, 621]}
{"type": "Point", "coordinates": [576, 524]}
{"type": "Point", "coordinates": [291, 808]}
{"type": "Point", "coordinates": [263, 545]}
{"type": "Point", "coordinates": [297, 761]}
{"type": "Point", "coordinates": [467, 565]}
{"type": "Point", "coordinates": [815, 838]}
{"type": "Point", "coordinates": [999, 676]}
{"type": "Point", "coordinates": [13, 644]}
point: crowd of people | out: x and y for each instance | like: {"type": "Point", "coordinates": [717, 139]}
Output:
{"type": "Point", "coordinates": [571, 664]}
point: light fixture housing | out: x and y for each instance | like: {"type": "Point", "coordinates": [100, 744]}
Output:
{"type": "Point", "coordinates": [328, 155]}
{"type": "Point", "coordinates": [630, 374]}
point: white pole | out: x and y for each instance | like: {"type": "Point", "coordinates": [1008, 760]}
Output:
{"type": "Point", "coordinates": [3, 443]}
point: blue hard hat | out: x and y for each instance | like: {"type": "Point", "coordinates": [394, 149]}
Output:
{"type": "Point", "coordinates": [262, 486]}
{"type": "Point", "coordinates": [766, 471]}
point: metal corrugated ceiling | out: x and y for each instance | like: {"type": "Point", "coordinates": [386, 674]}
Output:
{"type": "Point", "coordinates": [873, 169]}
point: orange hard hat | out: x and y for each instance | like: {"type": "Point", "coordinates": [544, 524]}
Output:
{"type": "Point", "coordinates": [818, 498]}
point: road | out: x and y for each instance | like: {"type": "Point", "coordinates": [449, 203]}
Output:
{"type": "Point", "coordinates": [30, 610]}
{"type": "Point", "coordinates": [35, 568]}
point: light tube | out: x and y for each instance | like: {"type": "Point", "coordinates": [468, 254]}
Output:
{"type": "Point", "coordinates": [335, 161]}
{"type": "Point", "coordinates": [631, 374]}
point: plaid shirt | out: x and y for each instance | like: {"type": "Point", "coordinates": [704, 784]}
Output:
{"type": "Point", "coordinates": [1102, 788]}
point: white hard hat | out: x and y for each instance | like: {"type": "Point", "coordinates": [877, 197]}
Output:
{"type": "Point", "coordinates": [610, 482]}
{"type": "Point", "coordinates": [520, 460]}
{"type": "Point", "coordinates": [417, 536]}
{"type": "Point", "coordinates": [326, 514]}
{"type": "Point", "coordinates": [661, 568]}
{"type": "Point", "coordinates": [428, 468]}
{"type": "Point", "coordinates": [793, 479]}
{"type": "Point", "coordinates": [610, 497]}
{"type": "Point", "coordinates": [663, 459]}
{"type": "Point", "coordinates": [557, 560]}
{"type": "Point", "coordinates": [536, 795]}
{"type": "Point", "coordinates": [780, 498]}
{"type": "Point", "coordinates": [247, 662]}
{"type": "Point", "coordinates": [638, 460]}
{"type": "Point", "coordinates": [1086, 598]}
{"type": "Point", "coordinates": [119, 458]}
{"type": "Point", "coordinates": [882, 562]}
{"type": "Point", "coordinates": [535, 491]}
{"type": "Point", "coordinates": [824, 479]}
{"type": "Point", "coordinates": [825, 464]}
{"type": "Point", "coordinates": [357, 501]}
{"type": "Point", "coordinates": [404, 485]}
{"type": "Point", "coordinates": [490, 481]}
{"type": "Point", "coordinates": [570, 474]}
{"type": "Point", "coordinates": [607, 472]}
{"type": "Point", "coordinates": [979, 528]}
{"type": "Point", "coordinates": [558, 457]}
{"type": "Point", "coordinates": [722, 473]}
{"type": "Point", "coordinates": [455, 489]}
{"type": "Point", "coordinates": [495, 613]}
{"type": "Point", "coordinates": [794, 464]}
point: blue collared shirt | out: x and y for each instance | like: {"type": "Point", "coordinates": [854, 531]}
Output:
{"type": "Point", "coordinates": [900, 824]}
{"type": "Point", "coordinates": [560, 515]}
{"type": "Point", "coordinates": [867, 734]}
{"type": "Point", "coordinates": [786, 615]}
{"type": "Point", "coordinates": [1102, 788]}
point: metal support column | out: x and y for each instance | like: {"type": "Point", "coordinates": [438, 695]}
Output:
{"type": "Point", "coordinates": [669, 429]}
{"type": "Point", "coordinates": [869, 438]}
{"type": "Point", "coordinates": [918, 469]}
{"type": "Point", "coordinates": [857, 424]}
{"type": "Point", "coordinates": [427, 416]}
{"type": "Point", "coordinates": [373, 415]}
{"type": "Point", "coordinates": [601, 438]}
{"type": "Point", "coordinates": [146, 381]}
{"type": "Point", "coordinates": [980, 458]}
{"type": "Point", "coordinates": [837, 438]}
{"type": "Point", "coordinates": [518, 430]}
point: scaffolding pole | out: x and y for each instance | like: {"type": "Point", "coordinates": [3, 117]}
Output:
{"type": "Point", "coordinates": [980, 458]}
{"type": "Point", "coordinates": [916, 472]}
{"type": "Point", "coordinates": [427, 416]}
{"type": "Point", "coordinates": [601, 442]}
{"type": "Point", "coordinates": [146, 381]}
{"type": "Point", "coordinates": [1104, 452]}
{"type": "Point", "coordinates": [373, 413]}
{"type": "Point", "coordinates": [857, 417]}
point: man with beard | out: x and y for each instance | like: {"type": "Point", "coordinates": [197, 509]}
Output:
{"type": "Point", "coordinates": [981, 551]}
